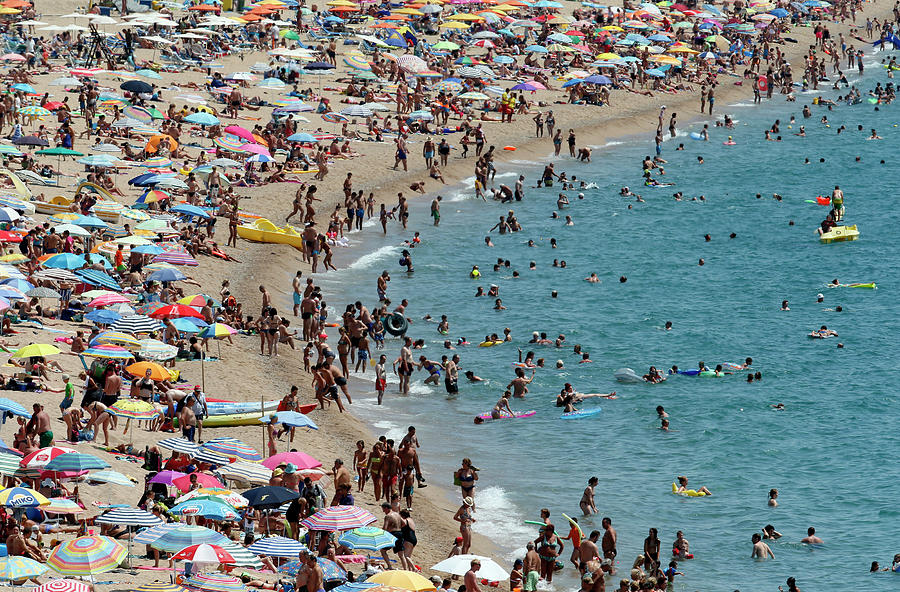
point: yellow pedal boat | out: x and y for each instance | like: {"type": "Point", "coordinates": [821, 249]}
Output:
{"type": "Point", "coordinates": [840, 234]}
{"type": "Point", "coordinates": [263, 231]}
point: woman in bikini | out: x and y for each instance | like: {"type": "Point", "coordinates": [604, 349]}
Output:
{"type": "Point", "coordinates": [359, 461]}
{"type": "Point", "coordinates": [549, 547]}
{"type": "Point", "coordinates": [464, 517]}
{"type": "Point", "coordinates": [374, 469]}
{"type": "Point", "coordinates": [466, 476]}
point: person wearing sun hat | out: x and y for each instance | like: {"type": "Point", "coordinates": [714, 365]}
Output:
{"type": "Point", "coordinates": [464, 517]}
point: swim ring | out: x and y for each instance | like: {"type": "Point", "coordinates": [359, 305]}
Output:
{"type": "Point", "coordinates": [489, 343]}
{"type": "Point", "coordinates": [395, 324]}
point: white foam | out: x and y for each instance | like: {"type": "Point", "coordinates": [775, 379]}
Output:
{"type": "Point", "coordinates": [498, 518]}
{"type": "Point", "coordinates": [371, 259]}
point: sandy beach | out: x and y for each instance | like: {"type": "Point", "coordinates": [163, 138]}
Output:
{"type": "Point", "coordinates": [241, 373]}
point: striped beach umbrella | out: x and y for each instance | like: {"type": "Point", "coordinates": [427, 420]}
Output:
{"type": "Point", "coordinates": [129, 517]}
{"type": "Point", "coordinates": [198, 300]}
{"type": "Point", "coordinates": [149, 307]}
{"type": "Point", "coordinates": [108, 299]}
{"type": "Point", "coordinates": [277, 546]}
{"type": "Point", "coordinates": [215, 582]}
{"type": "Point", "coordinates": [156, 162]}
{"type": "Point", "coordinates": [108, 352]}
{"type": "Point", "coordinates": [13, 407]}
{"type": "Point", "coordinates": [232, 447]}
{"type": "Point", "coordinates": [153, 349]}
{"type": "Point", "coordinates": [63, 586]}
{"type": "Point", "coordinates": [339, 518]}
{"type": "Point", "coordinates": [134, 409]}
{"type": "Point", "coordinates": [175, 310]}
{"type": "Point", "coordinates": [154, 532]}
{"type": "Point", "coordinates": [368, 538]}
{"type": "Point", "coordinates": [175, 256]}
{"type": "Point", "coordinates": [33, 111]}
{"type": "Point", "coordinates": [20, 568]}
{"type": "Point", "coordinates": [160, 587]}
{"type": "Point", "coordinates": [181, 445]}
{"type": "Point", "coordinates": [59, 505]}
{"type": "Point", "coordinates": [75, 462]}
{"type": "Point", "coordinates": [204, 553]}
{"type": "Point", "coordinates": [9, 464]}
{"type": "Point", "coordinates": [231, 498]}
{"type": "Point", "coordinates": [229, 142]}
{"type": "Point", "coordinates": [331, 570]}
{"type": "Point", "coordinates": [119, 338]}
{"type": "Point", "coordinates": [211, 457]}
{"type": "Point", "coordinates": [137, 324]}
{"type": "Point", "coordinates": [87, 555]}
{"type": "Point", "coordinates": [252, 473]}
{"type": "Point", "coordinates": [184, 536]}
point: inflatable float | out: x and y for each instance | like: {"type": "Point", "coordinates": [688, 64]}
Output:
{"type": "Point", "coordinates": [629, 376]}
{"type": "Point", "coordinates": [687, 493]}
{"type": "Point", "coordinates": [395, 324]}
{"type": "Point", "coordinates": [869, 285]}
{"type": "Point", "coordinates": [264, 231]}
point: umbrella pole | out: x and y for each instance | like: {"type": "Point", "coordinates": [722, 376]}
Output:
{"type": "Point", "coordinates": [202, 371]}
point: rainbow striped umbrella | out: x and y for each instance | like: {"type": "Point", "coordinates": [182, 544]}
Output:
{"type": "Point", "coordinates": [198, 300]}
{"type": "Point", "coordinates": [20, 568]}
{"type": "Point", "coordinates": [357, 62]}
{"type": "Point", "coordinates": [175, 255]}
{"type": "Point", "coordinates": [156, 162]}
{"type": "Point", "coordinates": [22, 497]}
{"type": "Point", "coordinates": [218, 331]}
{"type": "Point", "coordinates": [138, 113]}
{"type": "Point", "coordinates": [232, 447]}
{"type": "Point", "coordinates": [287, 102]}
{"type": "Point", "coordinates": [160, 587]}
{"type": "Point", "coordinates": [133, 409]}
{"type": "Point", "coordinates": [215, 582]}
{"type": "Point", "coordinates": [108, 352]}
{"type": "Point", "coordinates": [119, 338]}
{"type": "Point", "coordinates": [87, 555]}
{"type": "Point", "coordinates": [339, 518]}
{"type": "Point", "coordinates": [63, 586]}
{"type": "Point", "coordinates": [229, 142]}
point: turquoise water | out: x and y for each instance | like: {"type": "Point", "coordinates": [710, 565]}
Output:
{"type": "Point", "coordinates": [828, 452]}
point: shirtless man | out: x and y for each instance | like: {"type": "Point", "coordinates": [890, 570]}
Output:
{"type": "Point", "coordinates": [18, 545]}
{"type": "Point", "coordinates": [609, 540]}
{"type": "Point", "coordinates": [341, 475]}
{"type": "Point", "coordinates": [111, 388]}
{"type": "Point", "coordinates": [392, 525]}
{"type": "Point", "coordinates": [809, 539]}
{"type": "Point", "coordinates": [588, 550]}
{"type": "Point", "coordinates": [471, 578]}
{"type": "Point", "coordinates": [761, 551]}
{"type": "Point", "coordinates": [329, 386]}
{"type": "Point", "coordinates": [587, 498]}
{"type": "Point", "coordinates": [302, 574]}
{"type": "Point", "coordinates": [381, 285]}
{"type": "Point", "coordinates": [339, 379]}
{"type": "Point", "coordinates": [519, 384]}
{"type": "Point", "coordinates": [390, 472]}
{"type": "Point", "coordinates": [315, 577]}
{"type": "Point", "coordinates": [307, 312]}
{"type": "Point", "coordinates": [298, 295]}
{"type": "Point", "coordinates": [403, 365]}
{"type": "Point", "coordinates": [187, 420]}
{"type": "Point", "coordinates": [40, 424]}
{"type": "Point", "coordinates": [531, 568]}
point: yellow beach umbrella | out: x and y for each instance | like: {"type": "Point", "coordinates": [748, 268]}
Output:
{"type": "Point", "coordinates": [401, 578]}
{"type": "Point", "coordinates": [507, 7]}
{"type": "Point", "coordinates": [559, 47]}
{"type": "Point", "coordinates": [13, 258]}
{"type": "Point", "coordinates": [453, 25]}
{"type": "Point", "coordinates": [36, 350]}
{"type": "Point", "coordinates": [613, 28]}
{"type": "Point", "coordinates": [409, 11]}
{"type": "Point", "coordinates": [608, 56]}
{"type": "Point", "coordinates": [464, 16]}
{"type": "Point", "coordinates": [342, 3]}
{"type": "Point", "coordinates": [682, 49]}
{"type": "Point", "coordinates": [666, 59]}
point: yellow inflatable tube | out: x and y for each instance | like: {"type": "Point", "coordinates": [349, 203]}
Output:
{"type": "Point", "coordinates": [688, 492]}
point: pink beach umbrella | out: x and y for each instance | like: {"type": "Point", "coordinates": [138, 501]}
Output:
{"type": "Point", "coordinates": [256, 149]}
{"type": "Point", "coordinates": [240, 132]}
{"type": "Point", "coordinates": [301, 460]}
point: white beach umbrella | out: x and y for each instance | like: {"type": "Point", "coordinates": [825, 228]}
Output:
{"type": "Point", "coordinates": [460, 564]}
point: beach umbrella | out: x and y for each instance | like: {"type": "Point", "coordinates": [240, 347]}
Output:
{"type": "Point", "coordinates": [160, 587]}
{"type": "Point", "coordinates": [102, 316]}
{"type": "Point", "coordinates": [367, 538]}
{"type": "Point", "coordinates": [189, 210]}
{"type": "Point", "coordinates": [175, 310]}
{"type": "Point", "coordinates": [184, 483]}
{"type": "Point", "coordinates": [39, 458]}
{"type": "Point", "coordinates": [356, 587]}
{"type": "Point", "coordinates": [202, 118]}
{"type": "Point", "coordinates": [10, 293]}
{"type": "Point", "coordinates": [181, 445]}
{"type": "Point", "coordinates": [157, 372]}
{"type": "Point", "coordinates": [247, 472]}
{"type": "Point", "coordinates": [136, 324]}
{"type": "Point", "coordinates": [63, 586]}
{"type": "Point", "coordinates": [134, 409]}
{"type": "Point", "coordinates": [96, 278]}
{"type": "Point", "coordinates": [331, 570]}
{"type": "Point", "coordinates": [13, 407]}
{"type": "Point", "coordinates": [401, 578]}
{"type": "Point", "coordinates": [60, 505]}
{"type": "Point", "coordinates": [136, 86]}
{"type": "Point", "coordinates": [9, 464]}
{"type": "Point", "coordinates": [277, 546]}
{"type": "Point", "coordinates": [460, 564]}
{"type": "Point", "coordinates": [115, 338]}
{"type": "Point", "coordinates": [176, 539]}
{"type": "Point", "coordinates": [216, 582]}
{"type": "Point", "coordinates": [128, 517]}
{"type": "Point", "coordinates": [145, 537]}
{"type": "Point", "coordinates": [9, 215]}
{"type": "Point", "coordinates": [166, 275]}
{"type": "Point", "coordinates": [291, 419]}
{"type": "Point", "coordinates": [87, 556]}
{"type": "Point", "coordinates": [168, 477]}
{"type": "Point", "coordinates": [16, 568]}
{"type": "Point", "coordinates": [204, 553]}
{"type": "Point", "coordinates": [301, 460]}
{"type": "Point", "coordinates": [339, 518]}
{"type": "Point", "coordinates": [113, 477]}
{"type": "Point", "coordinates": [270, 496]}
{"type": "Point", "coordinates": [231, 447]}
{"type": "Point", "coordinates": [108, 352]}
{"type": "Point", "coordinates": [42, 292]}
{"type": "Point", "coordinates": [218, 494]}
{"type": "Point", "coordinates": [37, 350]}
{"type": "Point", "coordinates": [357, 111]}
{"type": "Point", "coordinates": [75, 462]}
{"type": "Point", "coordinates": [217, 331]}
{"type": "Point", "coordinates": [208, 508]}
{"type": "Point", "coordinates": [153, 349]}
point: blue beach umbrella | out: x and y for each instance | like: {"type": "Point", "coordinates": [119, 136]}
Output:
{"type": "Point", "coordinates": [166, 275]}
{"type": "Point", "coordinates": [291, 419]}
{"type": "Point", "coordinates": [189, 210]}
{"type": "Point", "coordinates": [103, 316]}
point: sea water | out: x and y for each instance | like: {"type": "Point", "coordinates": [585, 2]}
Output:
{"type": "Point", "coordinates": [829, 452]}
